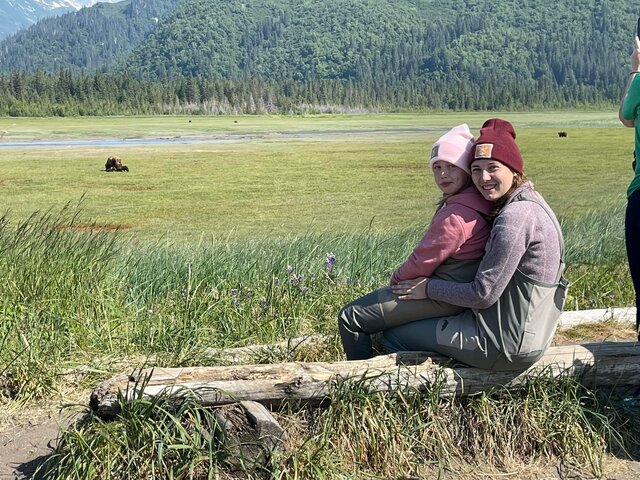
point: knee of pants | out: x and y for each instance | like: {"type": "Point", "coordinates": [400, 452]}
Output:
{"type": "Point", "coordinates": [346, 318]}
{"type": "Point", "coordinates": [354, 319]}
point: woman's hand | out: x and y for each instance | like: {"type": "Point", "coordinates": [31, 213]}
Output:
{"type": "Point", "coordinates": [414, 289]}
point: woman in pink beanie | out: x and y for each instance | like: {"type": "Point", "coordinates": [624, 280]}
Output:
{"type": "Point", "coordinates": [513, 303]}
{"type": "Point", "coordinates": [450, 249]}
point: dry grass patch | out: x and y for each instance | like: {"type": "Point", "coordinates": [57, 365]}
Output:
{"type": "Point", "coordinates": [610, 330]}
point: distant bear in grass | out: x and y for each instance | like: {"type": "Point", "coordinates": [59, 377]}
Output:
{"type": "Point", "coordinates": [114, 164]}
{"type": "Point", "coordinates": [562, 134]}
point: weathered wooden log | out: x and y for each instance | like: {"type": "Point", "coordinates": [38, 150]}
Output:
{"type": "Point", "coordinates": [250, 432]}
{"type": "Point", "coordinates": [248, 354]}
{"type": "Point", "coordinates": [606, 363]}
{"type": "Point", "coordinates": [578, 317]}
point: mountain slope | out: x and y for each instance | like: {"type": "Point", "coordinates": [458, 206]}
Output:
{"type": "Point", "coordinates": [526, 46]}
{"type": "Point", "coordinates": [91, 39]}
{"type": "Point", "coordinates": [18, 14]}
{"type": "Point", "coordinates": [275, 38]}
{"type": "Point", "coordinates": [574, 42]}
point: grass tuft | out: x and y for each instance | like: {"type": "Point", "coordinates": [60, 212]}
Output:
{"type": "Point", "coordinates": [404, 433]}
{"type": "Point", "coordinates": [78, 305]}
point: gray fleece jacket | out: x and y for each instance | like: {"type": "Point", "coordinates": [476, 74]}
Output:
{"type": "Point", "coordinates": [523, 237]}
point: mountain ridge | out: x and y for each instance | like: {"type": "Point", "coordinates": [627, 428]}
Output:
{"type": "Point", "coordinates": [454, 54]}
{"type": "Point", "coordinates": [19, 14]}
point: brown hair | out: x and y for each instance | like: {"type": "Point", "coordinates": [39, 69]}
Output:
{"type": "Point", "coordinates": [519, 179]}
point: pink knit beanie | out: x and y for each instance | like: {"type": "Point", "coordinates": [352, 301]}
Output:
{"type": "Point", "coordinates": [453, 147]}
{"type": "Point", "coordinates": [497, 141]}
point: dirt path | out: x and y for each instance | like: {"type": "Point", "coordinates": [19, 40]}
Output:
{"type": "Point", "coordinates": [25, 444]}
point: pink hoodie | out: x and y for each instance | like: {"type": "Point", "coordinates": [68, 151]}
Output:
{"type": "Point", "coordinates": [458, 230]}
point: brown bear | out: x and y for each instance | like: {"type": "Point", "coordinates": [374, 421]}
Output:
{"type": "Point", "coordinates": [114, 164]}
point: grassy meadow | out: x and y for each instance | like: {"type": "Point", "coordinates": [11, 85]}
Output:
{"type": "Point", "coordinates": [338, 174]}
{"type": "Point", "coordinates": [231, 242]}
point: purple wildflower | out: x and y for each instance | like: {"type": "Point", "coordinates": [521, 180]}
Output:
{"type": "Point", "coordinates": [330, 261]}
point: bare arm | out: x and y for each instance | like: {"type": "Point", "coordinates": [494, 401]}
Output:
{"type": "Point", "coordinates": [635, 67]}
{"type": "Point", "coordinates": [627, 122]}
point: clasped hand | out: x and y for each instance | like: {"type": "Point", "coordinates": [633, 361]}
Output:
{"type": "Point", "coordinates": [414, 289]}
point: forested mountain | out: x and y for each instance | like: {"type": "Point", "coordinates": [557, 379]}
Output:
{"type": "Point", "coordinates": [90, 39]}
{"type": "Point", "coordinates": [17, 14]}
{"type": "Point", "coordinates": [209, 56]}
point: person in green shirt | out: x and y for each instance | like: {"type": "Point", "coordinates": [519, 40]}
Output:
{"type": "Point", "coordinates": [629, 115]}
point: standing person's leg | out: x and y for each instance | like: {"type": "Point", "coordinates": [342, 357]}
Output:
{"type": "Point", "coordinates": [632, 238]}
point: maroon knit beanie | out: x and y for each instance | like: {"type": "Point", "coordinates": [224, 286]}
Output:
{"type": "Point", "coordinates": [497, 141]}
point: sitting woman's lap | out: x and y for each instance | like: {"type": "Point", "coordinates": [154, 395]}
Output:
{"type": "Point", "coordinates": [455, 336]}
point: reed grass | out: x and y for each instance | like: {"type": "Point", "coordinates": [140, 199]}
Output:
{"type": "Point", "coordinates": [365, 434]}
{"type": "Point", "coordinates": [75, 295]}
{"type": "Point", "coordinates": [84, 297]}
{"type": "Point", "coordinates": [150, 439]}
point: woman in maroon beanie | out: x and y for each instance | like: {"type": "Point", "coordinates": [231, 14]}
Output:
{"type": "Point", "coordinates": [514, 301]}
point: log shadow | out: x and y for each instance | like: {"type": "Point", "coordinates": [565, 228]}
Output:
{"type": "Point", "coordinates": [32, 469]}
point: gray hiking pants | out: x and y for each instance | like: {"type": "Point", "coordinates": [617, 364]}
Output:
{"type": "Point", "coordinates": [457, 336]}
{"type": "Point", "coordinates": [381, 310]}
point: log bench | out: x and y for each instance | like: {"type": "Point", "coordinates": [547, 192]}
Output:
{"type": "Point", "coordinates": [601, 363]}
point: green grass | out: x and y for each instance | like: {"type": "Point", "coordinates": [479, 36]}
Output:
{"type": "Point", "coordinates": [20, 129]}
{"type": "Point", "coordinates": [273, 185]}
{"type": "Point", "coordinates": [225, 244]}
{"type": "Point", "coordinates": [168, 443]}
{"type": "Point", "coordinates": [77, 296]}
{"type": "Point", "coordinates": [401, 434]}
{"type": "Point", "coordinates": [228, 249]}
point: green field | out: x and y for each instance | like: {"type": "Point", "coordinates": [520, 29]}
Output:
{"type": "Point", "coordinates": [225, 244]}
{"type": "Point", "coordinates": [277, 176]}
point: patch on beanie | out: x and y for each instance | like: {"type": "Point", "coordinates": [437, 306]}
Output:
{"type": "Point", "coordinates": [484, 150]}
{"type": "Point", "coordinates": [434, 151]}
